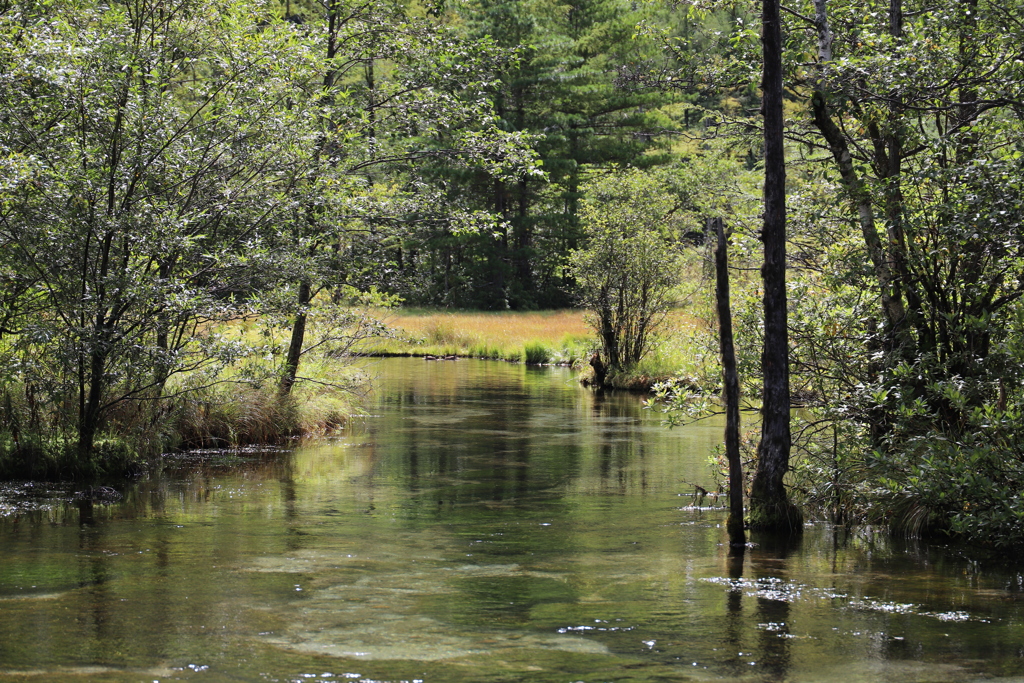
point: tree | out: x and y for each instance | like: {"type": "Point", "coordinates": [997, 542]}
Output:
{"type": "Point", "coordinates": [170, 170]}
{"type": "Point", "coordinates": [628, 267]}
{"type": "Point", "coordinates": [731, 387]}
{"type": "Point", "coordinates": [716, 64]}
{"type": "Point", "coordinates": [156, 147]}
{"type": "Point", "coordinates": [919, 109]}
{"type": "Point", "coordinates": [563, 91]}
{"type": "Point", "coordinates": [770, 509]}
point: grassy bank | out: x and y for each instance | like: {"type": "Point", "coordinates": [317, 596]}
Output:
{"type": "Point", "coordinates": [536, 337]}
{"type": "Point", "coordinates": [226, 415]}
{"type": "Point", "coordinates": [542, 337]}
{"type": "Point", "coordinates": [225, 403]}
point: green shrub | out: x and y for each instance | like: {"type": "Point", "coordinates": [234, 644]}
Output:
{"type": "Point", "coordinates": [535, 353]}
{"type": "Point", "coordinates": [58, 458]}
{"type": "Point", "coordinates": [971, 486]}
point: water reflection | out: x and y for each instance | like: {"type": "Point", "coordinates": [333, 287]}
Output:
{"type": "Point", "coordinates": [484, 523]}
{"type": "Point", "coordinates": [768, 562]}
{"type": "Point", "coordinates": [735, 622]}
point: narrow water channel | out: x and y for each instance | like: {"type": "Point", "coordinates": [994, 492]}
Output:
{"type": "Point", "coordinates": [483, 523]}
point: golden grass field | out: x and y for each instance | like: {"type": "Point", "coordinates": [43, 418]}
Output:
{"type": "Point", "coordinates": [502, 329]}
{"type": "Point", "coordinates": [560, 336]}
{"type": "Point", "coordinates": [512, 327]}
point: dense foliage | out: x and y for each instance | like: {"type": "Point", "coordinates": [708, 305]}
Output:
{"type": "Point", "coordinates": [168, 170]}
{"type": "Point", "coordinates": [905, 255]}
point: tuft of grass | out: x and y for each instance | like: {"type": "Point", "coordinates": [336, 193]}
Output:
{"type": "Point", "coordinates": [242, 405]}
{"type": "Point", "coordinates": [228, 416]}
{"type": "Point", "coordinates": [485, 351]}
{"type": "Point", "coordinates": [535, 353]}
{"type": "Point", "coordinates": [444, 333]}
{"type": "Point", "coordinates": [232, 416]}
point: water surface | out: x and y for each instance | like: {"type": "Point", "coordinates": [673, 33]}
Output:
{"type": "Point", "coordinates": [485, 522]}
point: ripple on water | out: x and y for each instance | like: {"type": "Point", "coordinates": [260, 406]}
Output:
{"type": "Point", "coordinates": [378, 615]}
{"type": "Point", "coordinates": [33, 596]}
{"type": "Point", "coordinates": [782, 591]}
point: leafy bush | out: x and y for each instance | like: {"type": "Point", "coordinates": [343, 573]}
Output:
{"type": "Point", "coordinates": [629, 266]}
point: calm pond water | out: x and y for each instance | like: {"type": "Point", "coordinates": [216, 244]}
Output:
{"type": "Point", "coordinates": [485, 523]}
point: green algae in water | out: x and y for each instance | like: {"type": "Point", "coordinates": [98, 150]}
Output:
{"type": "Point", "coordinates": [484, 524]}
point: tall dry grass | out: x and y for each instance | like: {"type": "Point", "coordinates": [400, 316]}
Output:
{"type": "Point", "coordinates": [504, 328]}
{"type": "Point", "coordinates": [561, 336]}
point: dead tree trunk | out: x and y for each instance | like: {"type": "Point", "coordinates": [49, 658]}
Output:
{"type": "Point", "coordinates": [737, 535]}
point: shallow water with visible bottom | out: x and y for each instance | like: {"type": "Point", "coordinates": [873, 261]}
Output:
{"type": "Point", "coordinates": [484, 523]}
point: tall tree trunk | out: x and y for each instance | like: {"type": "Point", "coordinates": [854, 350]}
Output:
{"type": "Point", "coordinates": [291, 363]}
{"type": "Point", "coordinates": [734, 525]}
{"type": "Point", "coordinates": [892, 303]}
{"type": "Point", "coordinates": [770, 509]}
{"type": "Point", "coordinates": [162, 366]}
{"type": "Point", "coordinates": [89, 417]}
{"type": "Point", "coordinates": [889, 167]}
{"type": "Point", "coordinates": [523, 246]}
{"type": "Point", "coordinates": [298, 337]}
{"type": "Point", "coordinates": [895, 335]}
{"type": "Point", "coordinates": [499, 256]}
{"type": "Point", "coordinates": [90, 401]}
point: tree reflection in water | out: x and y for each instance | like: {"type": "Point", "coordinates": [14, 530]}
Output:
{"type": "Point", "coordinates": [768, 568]}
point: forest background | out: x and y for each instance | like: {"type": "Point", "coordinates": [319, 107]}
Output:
{"type": "Point", "coordinates": [209, 200]}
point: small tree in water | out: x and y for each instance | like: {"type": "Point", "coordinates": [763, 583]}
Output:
{"type": "Point", "coordinates": [627, 270]}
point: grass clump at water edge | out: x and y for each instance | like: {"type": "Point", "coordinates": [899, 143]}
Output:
{"type": "Point", "coordinates": [535, 353]}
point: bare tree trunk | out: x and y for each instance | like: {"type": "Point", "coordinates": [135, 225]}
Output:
{"type": "Point", "coordinates": [889, 152]}
{"type": "Point", "coordinates": [734, 525]}
{"type": "Point", "coordinates": [298, 336]}
{"type": "Point", "coordinates": [90, 402]}
{"type": "Point", "coordinates": [89, 418]}
{"type": "Point", "coordinates": [291, 363]}
{"type": "Point", "coordinates": [770, 509]}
